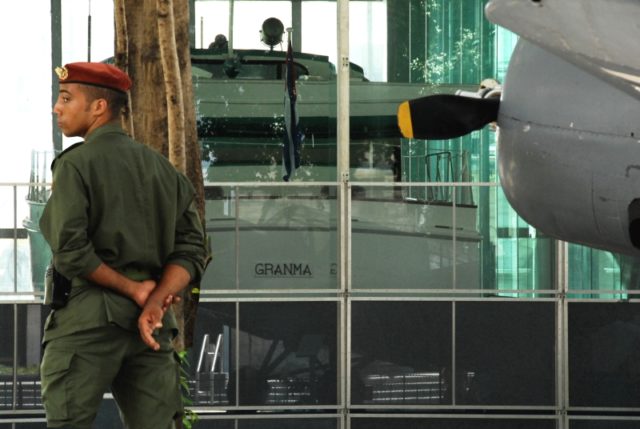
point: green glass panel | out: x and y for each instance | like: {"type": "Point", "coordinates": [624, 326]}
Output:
{"type": "Point", "coordinates": [601, 274]}
{"type": "Point", "coordinates": [459, 43]}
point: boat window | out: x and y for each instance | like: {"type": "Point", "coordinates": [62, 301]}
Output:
{"type": "Point", "coordinates": [258, 70]}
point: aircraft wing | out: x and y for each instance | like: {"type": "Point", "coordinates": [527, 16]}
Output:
{"type": "Point", "coordinates": [599, 36]}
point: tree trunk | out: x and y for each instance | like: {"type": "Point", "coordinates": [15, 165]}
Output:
{"type": "Point", "coordinates": [192, 148]}
{"type": "Point", "coordinates": [122, 58]}
{"type": "Point", "coordinates": [172, 84]}
{"type": "Point", "coordinates": [148, 108]}
{"type": "Point", "coordinates": [158, 84]}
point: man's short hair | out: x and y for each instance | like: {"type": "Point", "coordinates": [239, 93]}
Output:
{"type": "Point", "coordinates": [116, 100]}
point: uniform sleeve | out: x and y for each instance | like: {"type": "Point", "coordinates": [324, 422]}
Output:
{"type": "Point", "coordinates": [189, 251]}
{"type": "Point", "coordinates": [64, 223]}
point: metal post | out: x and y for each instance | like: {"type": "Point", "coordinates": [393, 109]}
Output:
{"type": "Point", "coordinates": [296, 23]}
{"type": "Point", "coordinates": [453, 353]}
{"type": "Point", "coordinates": [410, 40]}
{"type": "Point", "coordinates": [343, 139]}
{"type": "Point", "coordinates": [15, 238]}
{"type": "Point", "coordinates": [237, 358]}
{"type": "Point", "coordinates": [56, 60]}
{"type": "Point", "coordinates": [14, 397]}
{"type": "Point", "coordinates": [201, 32]}
{"type": "Point", "coordinates": [192, 23]}
{"type": "Point", "coordinates": [236, 199]}
{"type": "Point", "coordinates": [562, 358]}
{"type": "Point", "coordinates": [344, 199]}
{"type": "Point", "coordinates": [230, 38]}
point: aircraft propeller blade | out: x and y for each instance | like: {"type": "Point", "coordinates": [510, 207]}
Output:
{"type": "Point", "coordinates": [445, 116]}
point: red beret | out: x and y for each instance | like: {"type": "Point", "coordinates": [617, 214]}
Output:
{"type": "Point", "coordinates": [98, 74]}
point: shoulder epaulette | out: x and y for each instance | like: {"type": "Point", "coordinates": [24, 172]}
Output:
{"type": "Point", "coordinates": [69, 149]}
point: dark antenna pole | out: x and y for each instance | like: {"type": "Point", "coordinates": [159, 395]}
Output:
{"type": "Point", "coordinates": [89, 33]}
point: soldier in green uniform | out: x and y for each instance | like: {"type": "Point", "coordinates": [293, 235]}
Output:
{"type": "Point", "coordinates": [124, 232]}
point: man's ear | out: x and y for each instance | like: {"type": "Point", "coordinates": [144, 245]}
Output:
{"type": "Point", "coordinates": [100, 106]}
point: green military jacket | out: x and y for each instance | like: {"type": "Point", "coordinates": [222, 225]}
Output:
{"type": "Point", "coordinates": [119, 202]}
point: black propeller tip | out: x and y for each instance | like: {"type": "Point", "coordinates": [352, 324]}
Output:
{"type": "Point", "coordinates": [445, 116]}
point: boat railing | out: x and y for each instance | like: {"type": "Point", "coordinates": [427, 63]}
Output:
{"type": "Point", "coordinates": [447, 167]}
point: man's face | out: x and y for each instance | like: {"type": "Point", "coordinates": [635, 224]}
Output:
{"type": "Point", "coordinates": [74, 111]}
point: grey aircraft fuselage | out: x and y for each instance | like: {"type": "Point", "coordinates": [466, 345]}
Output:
{"type": "Point", "coordinates": [569, 119]}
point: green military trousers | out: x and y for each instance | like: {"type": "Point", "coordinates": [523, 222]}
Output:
{"type": "Point", "coordinates": [78, 369]}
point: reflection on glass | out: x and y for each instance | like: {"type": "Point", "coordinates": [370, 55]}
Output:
{"type": "Point", "coordinates": [30, 322]}
{"type": "Point", "coordinates": [402, 243]}
{"type": "Point", "coordinates": [7, 214]}
{"type": "Point", "coordinates": [449, 161]}
{"type": "Point", "coordinates": [220, 217]}
{"type": "Point", "coordinates": [15, 273]}
{"type": "Point", "coordinates": [284, 238]}
{"type": "Point", "coordinates": [239, 90]}
{"type": "Point", "coordinates": [289, 239]}
{"type": "Point", "coordinates": [457, 37]}
{"type": "Point", "coordinates": [471, 237]}
{"type": "Point", "coordinates": [288, 354]}
{"type": "Point", "coordinates": [20, 222]}
{"type": "Point", "coordinates": [204, 423]}
{"type": "Point", "coordinates": [401, 353]}
{"type": "Point", "coordinates": [30, 425]}
{"type": "Point", "coordinates": [31, 318]}
{"type": "Point", "coordinates": [505, 353]}
{"type": "Point", "coordinates": [288, 424]}
{"type": "Point", "coordinates": [6, 356]}
{"type": "Point", "coordinates": [591, 423]}
{"type": "Point", "coordinates": [524, 257]}
{"type": "Point", "coordinates": [467, 260]}
{"type": "Point", "coordinates": [450, 423]}
{"type": "Point", "coordinates": [435, 161]}
{"type": "Point", "coordinates": [604, 339]}
{"type": "Point", "coordinates": [592, 271]}
{"type": "Point", "coordinates": [212, 357]}
{"type": "Point", "coordinates": [368, 37]}
{"type": "Point", "coordinates": [448, 44]}
{"type": "Point", "coordinates": [37, 195]}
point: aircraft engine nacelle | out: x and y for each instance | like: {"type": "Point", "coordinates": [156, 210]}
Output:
{"type": "Point", "coordinates": [569, 152]}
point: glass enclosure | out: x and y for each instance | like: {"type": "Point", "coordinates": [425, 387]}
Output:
{"type": "Point", "coordinates": [404, 292]}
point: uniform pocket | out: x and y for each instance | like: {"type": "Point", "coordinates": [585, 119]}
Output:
{"type": "Point", "coordinates": [53, 374]}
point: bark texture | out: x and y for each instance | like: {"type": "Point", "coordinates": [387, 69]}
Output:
{"type": "Point", "coordinates": [152, 44]}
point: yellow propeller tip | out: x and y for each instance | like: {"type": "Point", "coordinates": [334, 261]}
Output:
{"type": "Point", "coordinates": [404, 120]}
